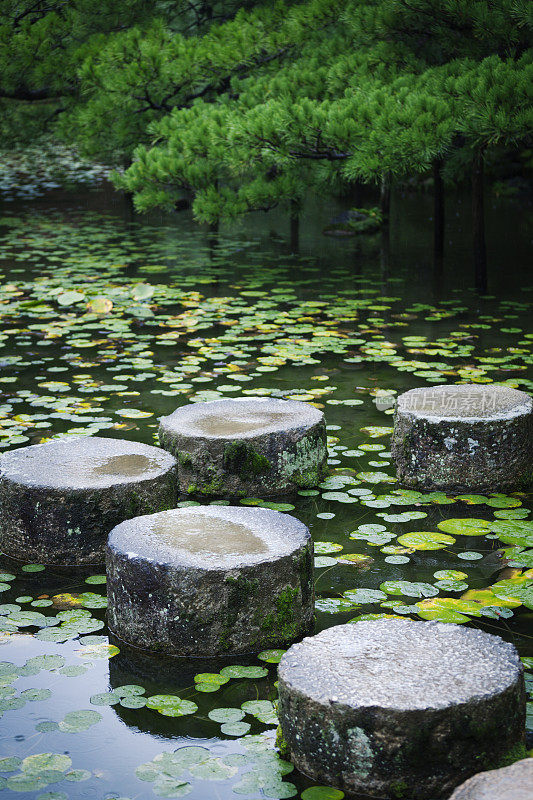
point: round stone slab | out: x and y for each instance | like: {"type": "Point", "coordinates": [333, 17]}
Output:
{"type": "Point", "coordinates": [397, 708]}
{"type": "Point", "coordinates": [58, 501]}
{"type": "Point", "coordinates": [510, 783]}
{"type": "Point", "coordinates": [210, 580]}
{"type": "Point", "coordinates": [259, 447]}
{"type": "Point", "coordinates": [464, 437]}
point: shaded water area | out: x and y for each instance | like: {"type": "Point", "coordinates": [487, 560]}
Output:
{"type": "Point", "coordinates": [111, 321]}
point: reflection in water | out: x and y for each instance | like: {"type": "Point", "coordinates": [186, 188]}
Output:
{"type": "Point", "coordinates": [342, 280]}
{"type": "Point", "coordinates": [240, 422]}
{"type": "Point", "coordinates": [199, 533]}
{"type": "Point", "coordinates": [128, 466]}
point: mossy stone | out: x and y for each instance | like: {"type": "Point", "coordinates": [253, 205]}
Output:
{"type": "Point", "coordinates": [210, 580]}
{"type": "Point", "coordinates": [246, 447]}
{"type": "Point", "coordinates": [59, 501]}
{"type": "Point", "coordinates": [466, 437]}
{"type": "Point", "coordinates": [396, 708]}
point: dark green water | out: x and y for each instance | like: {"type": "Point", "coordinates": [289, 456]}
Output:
{"type": "Point", "coordinates": [110, 322]}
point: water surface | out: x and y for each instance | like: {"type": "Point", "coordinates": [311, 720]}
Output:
{"type": "Point", "coordinates": [111, 321]}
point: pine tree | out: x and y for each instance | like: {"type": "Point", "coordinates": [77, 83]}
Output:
{"type": "Point", "coordinates": [396, 88]}
{"type": "Point", "coordinates": [244, 106]}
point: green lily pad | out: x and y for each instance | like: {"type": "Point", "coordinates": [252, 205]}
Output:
{"type": "Point", "coordinates": [271, 656]}
{"type": "Point", "coordinates": [235, 728]}
{"type": "Point", "coordinates": [77, 721]}
{"type": "Point", "coordinates": [170, 705]}
{"type": "Point", "coordinates": [519, 532]}
{"type": "Point", "coordinates": [211, 677]}
{"type": "Point", "coordinates": [240, 671]}
{"type": "Point", "coordinates": [426, 540]}
{"type": "Point", "coordinates": [45, 761]}
{"type": "Point", "coordinates": [450, 575]}
{"type": "Point", "coordinates": [321, 793]}
{"type": "Point", "coordinates": [224, 715]}
{"type": "Point", "coordinates": [363, 596]}
{"type": "Point", "coordinates": [409, 589]}
{"type": "Point", "coordinates": [465, 527]}
{"type": "Point", "coordinates": [448, 609]}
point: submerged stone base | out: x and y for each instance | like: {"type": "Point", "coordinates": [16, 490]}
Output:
{"type": "Point", "coordinates": [259, 447]}
{"type": "Point", "coordinates": [58, 501]}
{"type": "Point", "coordinates": [468, 437]}
{"type": "Point", "coordinates": [210, 580]}
{"type": "Point", "coordinates": [510, 783]}
{"type": "Point", "coordinates": [399, 708]}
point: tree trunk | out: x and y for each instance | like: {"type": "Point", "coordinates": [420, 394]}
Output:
{"type": "Point", "coordinates": [129, 206]}
{"type": "Point", "coordinates": [438, 207]}
{"type": "Point", "coordinates": [478, 224]}
{"type": "Point", "coordinates": [384, 199]}
{"type": "Point", "coordinates": [295, 227]}
{"type": "Point", "coordinates": [384, 258]}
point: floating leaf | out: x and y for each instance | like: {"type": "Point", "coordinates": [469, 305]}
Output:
{"type": "Point", "coordinates": [239, 671]}
{"type": "Point", "coordinates": [363, 596]}
{"type": "Point", "coordinates": [96, 579]}
{"type": "Point", "coordinates": [77, 721]}
{"type": "Point", "coordinates": [271, 656]}
{"type": "Point", "coordinates": [321, 793]}
{"type": "Point", "coordinates": [409, 588]}
{"type": "Point", "coordinates": [171, 706]}
{"type": "Point", "coordinates": [426, 540]}
{"type": "Point", "coordinates": [327, 547]}
{"type": "Point", "coordinates": [226, 715]}
{"type": "Point", "coordinates": [448, 609]}
{"type": "Point", "coordinates": [470, 555]}
{"type": "Point", "coordinates": [465, 527]}
{"type": "Point", "coordinates": [100, 305]}
{"type": "Point", "coordinates": [235, 728]}
{"type": "Point", "coordinates": [70, 298]}
{"type": "Point", "coordinates": [450, 575]}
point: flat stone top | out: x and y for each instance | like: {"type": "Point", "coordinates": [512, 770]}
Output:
{"type": "Point", "coordinates": [509, 783]}
{"type": "Point", "coordinates": [465, 402]}
{"type": "Point", "coordinates": [240, 418]}
{"type": "Point", "coordinates": [85, 462]}
{"type": "Point", "coordinates": [401, 665]}
{"type": "Point", "coordinates": [210, 537]}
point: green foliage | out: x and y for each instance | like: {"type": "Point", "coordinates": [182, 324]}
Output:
{"type": "Point", "coordinates": [386, 90]}
{"type": "Point", "coordinates": [245, 106]}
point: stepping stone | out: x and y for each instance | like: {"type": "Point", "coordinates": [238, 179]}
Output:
{"type": "Point", "coordinates": [510, 783]}
{"type": "Point", "coordinates": [396, 708]}
{"type": "Point", "coordinates": [210, 580]}
{"type": "Point", "coordinates": [464, 437]}
{"type": "Point", "coordinates": [58, 501]}
{"type": "Point", "coordinates": [259, 447]}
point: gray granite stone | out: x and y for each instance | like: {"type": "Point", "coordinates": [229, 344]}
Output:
{"type": "Point", "coordinates": [210, 580]}
{"type": "Point", "coordinates": [58, 501]}
{"type": "Point", "coordinates": [400, 708]}
{"type": "Point", "coordinates": [464, 437]}
{"type": "Point", "coordinates": [509, 783]}
{"type": "Point", "coordinates": [241, 447]}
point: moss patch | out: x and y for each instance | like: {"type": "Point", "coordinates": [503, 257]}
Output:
{"type": "Point", "coordinates": [282, 625]}
{"type": "Point", "coordinates": [516, 753]}
{"type": "Point", "coordinates": [243, 460]}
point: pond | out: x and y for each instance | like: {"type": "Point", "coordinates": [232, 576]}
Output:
{"type": "Point", "coordinates": [111, 321]}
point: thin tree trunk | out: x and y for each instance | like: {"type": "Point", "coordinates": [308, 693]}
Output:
{"type": "Point", "coordinates": [478, 224]}
{"type": "Point", "coordinates": [295, 227]}
{"type": "Point", "coordinates": [212, 237]}
{"type": "Point", "coordinates": [384, 198]}
{"type": "Point", "coordinates": [438, 207]}
{"type": "Point", "coordinates": [128, 196]}
{"type": "Point", "coordinates": [384, 258]}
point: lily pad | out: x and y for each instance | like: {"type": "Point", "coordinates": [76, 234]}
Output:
{"type": "Point", "coordinates": [465, 527]}
{"type": "Point", "coordinates": [170, 705]}
{"type": "Point", "coordinates": [426, 540]}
